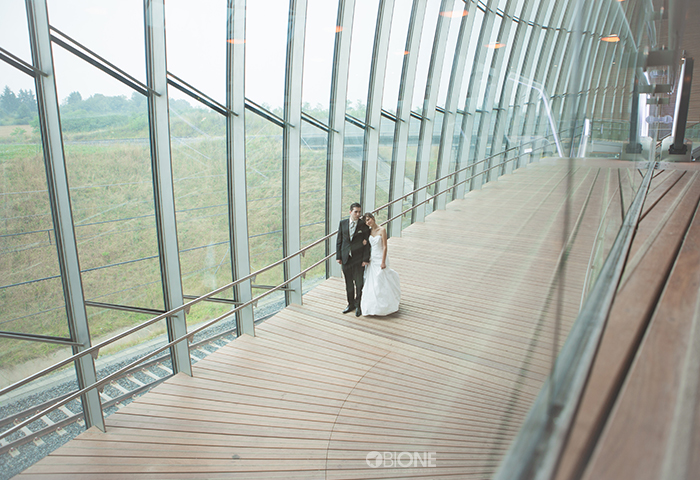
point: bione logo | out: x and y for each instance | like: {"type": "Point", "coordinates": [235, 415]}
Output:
{"type": "Point", "coordinates": [401, 459]}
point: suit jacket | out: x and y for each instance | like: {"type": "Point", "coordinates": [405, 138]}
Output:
{"type": "Point", "coordinates": [344, 245]}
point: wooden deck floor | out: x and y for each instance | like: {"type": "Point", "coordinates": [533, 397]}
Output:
{"type": "Point", "coordinates": [451, 376]}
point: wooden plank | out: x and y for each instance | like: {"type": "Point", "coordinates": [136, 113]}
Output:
{"type": "Point", "coordinates": [633, 441]}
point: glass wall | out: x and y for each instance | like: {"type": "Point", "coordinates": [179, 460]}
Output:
{"type": "Point", "coordinates": [523, 91]}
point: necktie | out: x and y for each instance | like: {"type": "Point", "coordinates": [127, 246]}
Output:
{"type": "Point", "coordinates": [352, 229]}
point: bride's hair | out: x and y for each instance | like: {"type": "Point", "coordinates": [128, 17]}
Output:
{"type": "Point", "coordinates": [368, 215]}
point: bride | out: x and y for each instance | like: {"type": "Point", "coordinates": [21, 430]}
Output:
{"type": "Point", "coordinates": [381, 292]}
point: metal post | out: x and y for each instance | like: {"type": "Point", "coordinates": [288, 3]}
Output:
{"type": "Point", "coordinates": [403, 114]}
{"type": "Point", "coordinates": [236, 163]}
{"type": "Point", "coordinates": [164, 196]}
{"type": "Point", "coordinates": [59, 197]}
{"type": "Point", "coordinates": [680, 117]}
{"type": "Point", "coordinates": [373, 117]}
{"type": "Point", "coordinates": [336, 123]}
{"type": "Point", "coordinates": [432, 86]}
{"type": "Point", "coordinates": [291, 147]}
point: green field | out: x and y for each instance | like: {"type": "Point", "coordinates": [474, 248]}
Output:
{"type": "Point", "coordinates": [110, 179]}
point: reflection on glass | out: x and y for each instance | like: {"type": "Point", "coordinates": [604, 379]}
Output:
{"type": "Point", "coordinates": [198, 59]}
{"type": "Point", "coordinates": [109, 172]}
{"type": "Point", "coordinates": [318, 56]}
{"type": "Point", "coordinates": [264, 189]}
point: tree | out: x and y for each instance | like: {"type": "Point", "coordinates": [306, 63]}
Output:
{"type": "Point", "coordinates": [8, 101]}
{"type": "Point", "coordinates": [74, 99]}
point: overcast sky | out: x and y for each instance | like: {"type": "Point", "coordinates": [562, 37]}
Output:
{"type": "Point", "coordinates": [196, 46]}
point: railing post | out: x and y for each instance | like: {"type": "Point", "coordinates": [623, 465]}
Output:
{"type": "Point", "coordinates": [161, 164]}
{"type": "Point", "coordinates": [59, 197]}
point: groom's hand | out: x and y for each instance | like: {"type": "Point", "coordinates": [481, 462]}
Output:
{"type": "Point", "coordinates": [364, 264]}
{"type": "Point", "coordinates": [340, 262]}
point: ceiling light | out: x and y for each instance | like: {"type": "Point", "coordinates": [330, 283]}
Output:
{"type": "Point", "coordinates": [611, 38]}
{"type": "Point", "coordinates": [495, 45]}
{"type": "Point", "coordinates": [454, 13]}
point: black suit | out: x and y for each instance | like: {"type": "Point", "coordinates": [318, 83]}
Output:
{"type": "Point", "coordinates": [352, 253]}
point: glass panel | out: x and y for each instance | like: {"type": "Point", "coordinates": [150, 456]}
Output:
{"type": "Point", "coordinates": [313, 200]}
{"type": "Point", "coordinates": [386, 147]}
{"type": "Point", "coordinates": [411, 154]}
{"type": "Point", "coordinates": [471, 51]}
{"type": "Point", "coordinates": [198, 144]}
{"type": "Point", "coordinates": [31, 293]}
{"type": "Point", "coordinates": [199, 59]}
{"type": "Point", "coordinates": [112, 30]}
{"type": "Point", "coordinates": [106, 142]}
{"type": "Point", "coordinates": [484, 77]}
{"type": "Point", "coordinates": [426, 47]}
{"type": "Point", "coordinates": [264, 190]}
{"type": "Point", "coordinates": [318, 56]}
{"type": "Point", "coordinates": [363, 26]}
{"type": "Point", "coordinates": [14, 35]}
{"type": "Point", "coordinates": [352, 165]}
{"type": "Point", "coordinates": [432, 165]}
{"type": "Point", "coordinates": [397, 52]}
{"type": "Point", "coordinates": [455, 19]}
{"type": "Point", "coordinates": [266, 47]}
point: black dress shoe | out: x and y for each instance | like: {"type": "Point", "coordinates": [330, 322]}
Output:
{"type": "Point", "coordinates": [349, 308]}
{"type": "Point", "coordinates": [358, 312]}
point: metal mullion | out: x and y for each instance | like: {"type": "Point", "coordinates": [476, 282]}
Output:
{"type": "Point", "coordinates": [236, 163]}
{"type": "Point", "coordinates": [620, 75]}
{"type": "Point", "coordinates": [577, 60]}
{"type": "Point", "coordinates": [597, 46]}
{"type": "Point", "coordinates": [516, 54]}
{"type": "Point", "coordinates": [370, 150]}
{"type": "Point", "coordinates": [540, 70]}
{"type": "Point", "coordinates": [496, 66]}
{"type": "Point", "coordinates": [291, 148]}
{"type": "Point", "coordinates": [596, 106]}
{"type": "Point", "coordinates": [336, 123]}
{"type": "Point", "coordinates": [404, 113]}
{"type": "Point", "coordinates": [450, 112]}
{"type": "Point", "coordinates": [559, 52]}
{"type": "Point", "coordinates": [61, 213]}
{"type": "Point", "coordinates": [432, 87]}
{"type": "Point", "coordinates": [162, 171]}
{"type": "Point", "coordinates": [527, 66]}
{"type": "Point", "coordinates": [467, 127]}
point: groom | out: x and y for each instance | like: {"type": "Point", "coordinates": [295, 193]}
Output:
{"type": "Point", "coordinates": [352, 252]}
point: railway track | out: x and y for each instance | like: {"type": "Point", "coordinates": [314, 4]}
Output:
{"type": "Point", "coordinates": [114, 395]}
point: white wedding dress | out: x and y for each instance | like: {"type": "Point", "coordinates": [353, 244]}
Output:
{"type": "Point", "coordinates": [381, 292]}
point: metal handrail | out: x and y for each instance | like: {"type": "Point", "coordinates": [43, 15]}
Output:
{"type": "Point", "coordinates": [190, 334]}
